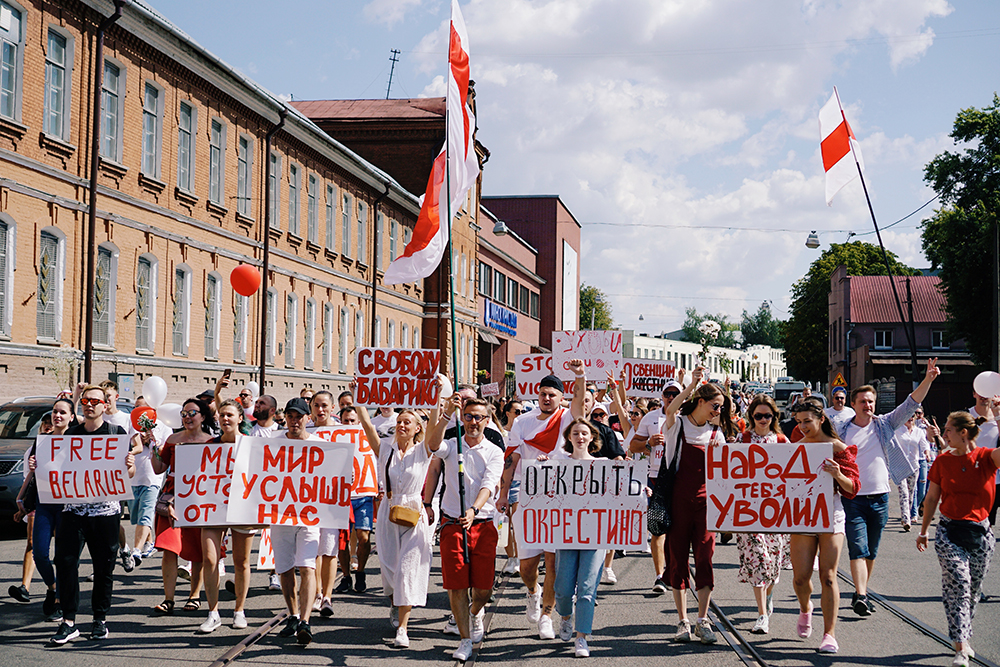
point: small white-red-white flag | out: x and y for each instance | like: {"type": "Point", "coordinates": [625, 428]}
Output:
{"type": "Point", "coordinates": [430, 234]}
{"type": "Point", "coordinates": [839, 147]}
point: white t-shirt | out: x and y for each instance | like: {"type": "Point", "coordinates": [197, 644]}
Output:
{"type": "Point", "coordinates": [259, 431]}
{"type": "Point", "coordinates": [651, 424]}
{"type": "Point", "coordinates": [386, 427]}
{"type": "Point", "coordinates": [695, 435]}
{"type": "Point", "coordinates": [144, 475]}
{"type": "Point", "coordinates": [911, 441]}
{"type": "Point", "coordinates": [871, 459]}
{"type": "Point", "coordinates": [483, 467]}
{"type": "Point", "coordinates": [536, 437]}
{"type": "Point", "coordinates": [120, 418]}
{"type": "Point", "coordinates": [839, 417]}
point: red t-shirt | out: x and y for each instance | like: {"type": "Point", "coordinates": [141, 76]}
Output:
{"type": "Point", "coordinates": [967, 484]}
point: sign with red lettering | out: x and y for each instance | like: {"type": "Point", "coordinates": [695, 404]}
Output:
{"type": "Point", "coordinates": [601, 351]}
{"type": "Point", "coordinates": [397, 378]}
{"type": "Point", "coordinates": [491, 389]}
{"type": "Point", "coordinates": [529, 371]}
{"type": "Point", "coordinates": [645, 377]}
{"type": "Point", "coordinates": [285, 482]}
{"type": "Point", "coordinates": [365, 480]}
{"type": "Point", "coordinates": [202, 476]}
{"type": "Point", "coordinates": [594, 504]}
{"type": "Point", "coordinates": [265, 552]}
{"type": "Point", "coordinates": [82, 468]}
{"type": "Point", "coordinates": [772, 488]}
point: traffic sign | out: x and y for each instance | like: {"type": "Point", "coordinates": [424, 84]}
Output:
{"type": "Point", "coordinates": [839, 381]}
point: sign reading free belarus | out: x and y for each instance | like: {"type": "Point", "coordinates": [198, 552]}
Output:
{"type": "Point", "coordinates": [82, 468]}
{"type": "Point", "coordinates": [772, 488]}
{"type": "Point", "coordinates": [595, 504]}
{"type": "Point", "coordinates": [202, 477]}
{"type": "Point", "coordinates": [530, 369]}
{"type": "Point", "coordinates": [397, 378]}
{"type": "Point", "coordinates": [600, 351]}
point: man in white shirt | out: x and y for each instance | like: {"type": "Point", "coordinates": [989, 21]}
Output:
{"type": "Point", "coordinates": [838, 412]}
{"type": "Point", "coordinates": [263, 411]}
{"type": "Point", "coordinates": [113, 415]}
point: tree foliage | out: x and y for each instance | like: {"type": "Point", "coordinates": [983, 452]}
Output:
{"type": "Point", "coordinates": [805, 334]}
{"type": "Point", "coordinates": [958, 238]}
{"type": "Point", "coordinates": [761, 328]}
{"type": "Point", "coordinates": [694, 318]}
{"type": "Point", "coordinates": [595, 307]}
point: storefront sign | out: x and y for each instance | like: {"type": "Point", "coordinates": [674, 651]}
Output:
{"type": "Point", "coordinates": [499, 318]}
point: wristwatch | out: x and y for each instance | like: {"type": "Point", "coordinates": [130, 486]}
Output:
{"type": "Point", "coordinates": [475, 511]}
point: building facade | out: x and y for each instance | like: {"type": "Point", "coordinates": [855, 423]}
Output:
{"type": "Point", "coordinates": [756, 363]}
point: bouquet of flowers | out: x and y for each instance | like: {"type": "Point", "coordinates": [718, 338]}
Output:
{"type": "Point", "coordinates": [709, 330]}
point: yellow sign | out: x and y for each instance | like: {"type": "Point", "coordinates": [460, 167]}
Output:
{"type": "Point", "coordinates": [839, 380]}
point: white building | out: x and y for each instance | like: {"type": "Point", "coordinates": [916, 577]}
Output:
{"type": "Point", "coordinates": [755, 363]}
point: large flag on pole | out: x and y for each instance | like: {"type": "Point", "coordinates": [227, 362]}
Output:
{"type": "Point", "coordinates": [841, 152]}
{"type": "Point", "coordinates": [430, 235]}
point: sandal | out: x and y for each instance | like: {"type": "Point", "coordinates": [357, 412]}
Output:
{"type": "Point", "coordinates": [165, 607]}
{"type": "Point", "coordinates": [192, 604]}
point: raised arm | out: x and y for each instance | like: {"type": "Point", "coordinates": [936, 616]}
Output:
{"type": "Point", "coordinates": [920, 393]}
{"type": "Point", "coordinates": [616, 403]}
{"type": "Point", "coordinates": [366, 423]}
{"type": "Point", "coordinates": [670, 412]}
{"type": "Point", "coordinates": [435, 434]}
{"type": "Point", "coordinates": [576, 407]}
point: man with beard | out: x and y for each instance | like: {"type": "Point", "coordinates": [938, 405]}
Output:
{"type": "Point", "coordinates": [263, 412]}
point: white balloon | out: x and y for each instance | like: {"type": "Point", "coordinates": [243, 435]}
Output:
{"type": "Point", "coordinates": [154, 390]}
{"type": "Point", "coordinates": [253, 388]}
{"type": "Point", "coordinates": [987, 384]}
{"type": "Point", "coordinates": [447, 390]}
{"type": "Point", "coordinates": [169, 414]}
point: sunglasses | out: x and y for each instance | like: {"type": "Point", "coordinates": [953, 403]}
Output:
{"type": "Point", "coordinates": [763, 416]}
{"type": "Point", "coordinates": [672, 394]}
{"type": "Point", "coordinates": [716, 407]}
{"type": "Point", "coordinates": [190, 413]}
{"type": "Point", "coordinates": [245, 395]}
{"type": "Point", "coordinates": [634, 414]}
{"type": "Point", "coordinates": [91, 401]}
{"type": "Point", "coordinates": [474, 418]}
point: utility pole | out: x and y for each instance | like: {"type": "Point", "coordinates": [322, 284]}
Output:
{"type": "Point", "coordinates": [394, 59]}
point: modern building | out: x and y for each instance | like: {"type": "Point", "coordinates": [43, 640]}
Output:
{"type": "Point", "coordinates": [753, 363]}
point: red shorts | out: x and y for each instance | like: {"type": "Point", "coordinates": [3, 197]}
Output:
{"type": "Point", "coordinates": [344, 538]}
{"type": "Point", "coordinates": [185, 542]}
{"type": "Point", "coordinates": [482, 550]}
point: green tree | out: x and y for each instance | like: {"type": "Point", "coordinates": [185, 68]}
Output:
{"type": "Point", "coordinates": [761, 328]}
{"type": "Point", "coordinates": [958, 239]}
{"type": "Point", "coordinates": [595, 309]}
{"type": "Point", "coordinates": [806, 332]}
{"type": "Point", "coordinates": [694, 318]}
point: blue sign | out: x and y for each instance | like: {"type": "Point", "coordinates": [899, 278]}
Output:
{"type": "Point", "coordinates": [499, 318]}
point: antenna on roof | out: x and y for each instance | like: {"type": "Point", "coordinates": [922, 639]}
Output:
{"type": "Point", "coordinates": [394, 59]}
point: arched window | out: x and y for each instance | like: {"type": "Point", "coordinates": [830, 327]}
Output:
{"type": "Point", "coordinates": [51, 272]}
{"type": "Point", "coordinates": [291, 319]}
{"type": "Point", "coordinates": [213, 311]}
{"type": "Point", "coordinates": [7, 245]}
{"type": "Point", "coordinates": [145, 303]}
{"type": "Point", "coordinates": [182, 309]}
{"type": "Point", "coordinates": [310, 334]}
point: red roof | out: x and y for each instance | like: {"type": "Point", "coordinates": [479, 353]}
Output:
{"type": "Point", "coordinates": [424, 108]}
{"type": "Point", "coordinates": [872, 299]}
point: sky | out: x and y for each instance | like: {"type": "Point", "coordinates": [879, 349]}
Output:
{"type": "Point", "coordinates": [682, 134]}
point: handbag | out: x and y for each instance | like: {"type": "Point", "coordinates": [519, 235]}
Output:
{"type": "Point", "coordinates": [399, 514]}
{"type": "Point", "coordinates": [30, 499]}
{"type": "Point", "coordinates": [164, 503]}
{"type": "Point", "coordinates": [969, 535]}
{"type": "Point", "coordinates": [658, 512]}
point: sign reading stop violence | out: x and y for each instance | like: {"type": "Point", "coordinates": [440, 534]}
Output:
{"type": "Point", "coordinates": [202, 477]}
{"type": "Point", "coordinates": [284, 482]}
{"type": "Point", "coordinates": [600, 351]}
{"type": "Point", "coordinates": [82, 468]}
{"type": "Point", "coordinates": [529, 371]}
{"type": "Point", "coordinates": [772, 488]}
{"type": "Point", "coordinates": [645, 377]}
{"type": "Point", "coordinates": [596, 504]}
{"type": "Point", "coordinates": [397, 378]}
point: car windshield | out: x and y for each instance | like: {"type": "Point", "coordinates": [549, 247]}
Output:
{"type": "Point", "coordinates": [21, 421]}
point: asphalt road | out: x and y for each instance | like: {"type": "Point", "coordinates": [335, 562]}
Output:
{"type": "Point", "coordinates": [632, 626]}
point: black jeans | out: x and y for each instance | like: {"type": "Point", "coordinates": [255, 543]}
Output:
{"type": "Point", "coordinates": [100, 534]}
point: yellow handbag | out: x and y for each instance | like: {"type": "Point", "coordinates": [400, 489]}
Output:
{"type": "Point", "coordinates": [399, 514]}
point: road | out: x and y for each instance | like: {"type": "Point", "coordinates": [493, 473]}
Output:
{"type": "Point", "coordinates": [631, 624]}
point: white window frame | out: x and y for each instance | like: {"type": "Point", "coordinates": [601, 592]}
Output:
{"type": "Point", "coordinates": [294, 198]}
{"type": "Point", "coordinates": [17, 63]}
{"type": "Point", "coordinates": [291, 328]}
{"type": "Point", "coordinates": [328, 324]}
{"type": "Point", "coordinates": [331, 216]}
{"type": "Point", "coordinates": [183, 310]}
{"type": "Point", "coordinates": [274, 183]}
{"type": "Point", "coordinates": [882, 333]}
{"type": "Point", "coordinates": [390, 335]}
{"type": "Point", "coordinates": [461, 359]}
{"type": "Point", "coordinates": [186, 185]}
{"type": "Point", "coordinates": [312, 209]}
{"type": "Point", "coordinates": [244, 176]}
{"type": "Point", "coordinates": [345, 224]}
{"type": "Point", "coordinates": [362, 231]}
{"type": "Point", "coordinates": [272, 326]}
{"type": "Point", "coordinates": [343, 340]}
{"type": "Point", "coordinates": [60, 129]}
{"type": "Point", "coordinates": [213, 315]}
{"type": "Point", "coordinates": [393, 241]}
{"type": "Point", "coordinates": [111, 251]}
{"type": "Point", "coordinates": [404, 336]}
{"type": "Point", "coordinates": [7, 276]}
{"type": "Point", "coordinates": [241, 318]}
{"type": "Point", "coordinates": [309, 335]}
{"type": "Point", "coordinates": [151, 167]}
{"type": "Point", "coordinates": [379, 237]}
{"type": "Point", "coordinates": [119, 113]}
{"type": "Point", "coordinates": [417, 343]}
{"type": "Point", "coordinates": [940, 344]}
{"type": "Point", "coordinates": [462, 270]}
{"type": "Point", "coordinates": [217, 162]}
{"type": "Point", "coordinates": [359, 332]}
{"type": "Point", "coordinates": [57, 285]}
{"type": "Point", "coordinates": [378, 332]}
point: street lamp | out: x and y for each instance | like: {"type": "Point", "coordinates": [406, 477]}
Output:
{"type": "Point", "coordinates": [812, 241]}
{"type": "Point", "coordinates": [500, 229]}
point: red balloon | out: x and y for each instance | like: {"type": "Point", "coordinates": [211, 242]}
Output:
{"type": "Point", "coordinates": [245, 280]}
{"type": "Point", "coordinates": [138, 413]}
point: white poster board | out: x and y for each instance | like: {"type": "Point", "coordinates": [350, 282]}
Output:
{"type": "Point", "coordinates": [646, 377]}
{"type": "Point", "coordinates": [773, 488]}
{"type": "Point", "coordinates": [601, 351]}
{"type": "Point", "coordinates": [365, 475]}
{"type": "Point", "coordinates": [82, 468]}
{"type": "Point", "coordinates": [529, 369]}
{"type": "Point", "coordinates": [397, 378]}
{"type": "Point", "coordinates": [202, 476]}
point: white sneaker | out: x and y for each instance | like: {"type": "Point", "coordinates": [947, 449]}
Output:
{"type": "Point", "coordinates": [274, 582]}
{"type": "Point", "coordinates": [512, 566]}
{"type": "Point", "coordinates": [476, 630]}
{"type": "Point", "coordinates": [239, 620]}
{"type": "Point", "coordinates": [451, 627]}
{"type": "Point", "coordinates": [463, 651]}
{"type": "Point", "coordinates": [326, 610]}
{"type": "Point", "coordinates": [762, 626]}
{"type": "Point", "coordinates": [609, 576]}
{"type": "Point", "coordinates": [683, 631]}
{"type": "Point", "coordinates": [704, 631]}
{"type": "Point", "coordinates": [402, 640]}
{"type": "Point", "coordinates": [211, 624]}
{"type": "Point", "coordinates": [566, 629]}
{"type": "Point", "coordinates": [582, 650]}
{"type": "Point", "coordinates": [534, 609]}
{"type": "Point", "coordinates": [318, 602]}
{"type": "Point", "coordinates": [545, 630]}
{"type": "Point", "coordinates": [184, 572]}
{"type": "Point", "coordinates": [394, 616]}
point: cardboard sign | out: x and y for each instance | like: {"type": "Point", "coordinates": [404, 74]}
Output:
{"type": "Point", "coordinates": [529, 371]}
{"type": "Point", "coordinates": [491, 389]}
{"type": "Point", "coordinates": [601, 351]}
{"type": "Point", "coordinates": [645, 377]}
{"type": "Point", "coordinates": [82, 468]}
{"type": "Point", "coordinates": [265, 551]}
{"type": "Point", "coordinates": [284, 482]}
{"type": "Point", "coordinates": [397, 378]}
{"type": "Point", "coordinates": [772, 488]}
{"type": "Point", "coordinates": [202, 476]}
{"type": "Point", "coordinates": [596, 504]}
{"type": "Point", "coordinates": [365, 480]}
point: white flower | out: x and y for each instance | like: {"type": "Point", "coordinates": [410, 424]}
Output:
{"type": "Point", "coordinates": [709, 328]}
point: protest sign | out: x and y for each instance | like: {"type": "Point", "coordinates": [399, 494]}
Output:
{"type": "Point", "coordinates": [265, 552]}
{"type": "Point", "coordinates": [397, 378]}
{"type": "Point", "coordinates": [645, 377]}
{"type": "Point", "coordinates": [365, 480]}
{"type": "Point", "coordinates": [202, 476]}
{"type": "Point", "coordinates": [82, 468]}
{"type": "Point", "coordinates": [593, 504]}
{"type": "Point", "coordinates": [529, 371]}
{"type": "Point", "coordinates": [285, 482]}
{"type": "Point", "coordinates": [491, 389]}
{"type": "Point", "coordinates": [601, 351]}
{"type": "Point", "coordinates": [773, 488]}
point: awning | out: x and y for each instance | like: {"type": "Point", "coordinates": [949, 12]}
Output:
{"type": "Point", "coordinates": [487, 337]}
{"type": "Point", "coordinates": [906, 362]}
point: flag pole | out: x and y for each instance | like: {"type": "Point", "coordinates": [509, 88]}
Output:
{"type": "Point", "coordinates": [885, 255]}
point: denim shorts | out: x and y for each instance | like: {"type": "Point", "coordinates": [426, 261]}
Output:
{"type": "Point", "coordinates": [866, 517]}
{"type": "Point", "coordinates": [514, 493]}
{"type": "Point", "coordinates": [141, 507]}
{"type": "Point", "coordinates": [364, 512]}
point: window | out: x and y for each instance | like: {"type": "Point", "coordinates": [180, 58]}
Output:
{"type": "Point", "coordinates": [312, 210]}
{"type": "Point", "coordinates": [883, 339]}
{"type": "Point", "coordinates": [58, 60]}
{"type": "Point", "coordinates": [111, 112]}
{"type": "Point", "coordinates": [186, 124]}
{"type": "Point", "coordinates": [11, 61]}
{"type": "Point", "coordinates": [417, 342]}
{"type": "Point", "coordinates": [362, 228]}
{"type": "Point", "coordinates": [272, 325]}
{"type": "Point", "coordinates": [244, 177]}
{"type": "Point", "coordinates": [534, 305]}
{"type": "Point", "coordinates": [213, 310]}
{"type": "Point", "coordinates": [151, 131]}
{"type": "Point", "coordinates": [404, 336]}
{"type": "Point", "coordinates": [512, 288]}
{"type": "Point", "coordinates": [291, 315]}
{"type": "Point", "coordinates": [345, 232]}
{"type": "Point", "coordinates": [379, 236]}
{"type": "Point", "coordinates": [241, 311]}
{"type": "Point", "coordinates": [390, 341]}
{"type": "Point", "coordinates": [217, 163]}
{"type": "Point", "coordinates": [6, 275]}
{"type": "Point", "coordinates": [461, 358]}
{"type": "Point", "coordinates": [105, 286]}
{"type": "Point", "coordinates": [499, 287]}
{"type": "Point", "coordinates": [345, 323]}
{"type": "Point", "coordinates": [293, 199]}
{"type": "Point", "coordinates": [524, 302]}
{"type": "Point", "coordinates": [485, 279]}
{"type": "Point", "coordinates": [310, 334]}
{"type": "Point", "coordinates": [331, 207]}
{"type": "Point", "coordinates": [462, 272]}
{"type": "Point", "coordinates": [393, 240]}
{"type": "Point", "coordinates": [471, 358]}
{"type": "Point", "coordinates": [182, 309]}
{"type": "Point", "coordinates": [327, 335]}
{"type": "Point", "coordinates": [274, 186]}
{"type": "Point", "coordinates": [407, 233]}
{"type": "Point", "coordinates": [938, 340]}
{"type": "Point", "coordinates": [359, 331]}
{"type": "Point", "coordinates": [51, 265]}
{"type": "Point", "coordinates": [378, 332]}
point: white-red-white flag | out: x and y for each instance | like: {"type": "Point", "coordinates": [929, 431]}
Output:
{"type": "Point", "coordinates": [430, 234]}
{"type": "Point", "coordinates": [838, 146]}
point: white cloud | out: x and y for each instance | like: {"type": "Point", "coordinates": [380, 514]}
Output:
{"type": "Point", "coordinates": [389, 12]}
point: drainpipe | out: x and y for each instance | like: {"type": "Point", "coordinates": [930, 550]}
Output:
{"type": "Point", "coordinates": [282, 112]}
{"type": "Point", "coordinates": [95, 156]}
{"type": "Point", "coordinates": [375, 257]}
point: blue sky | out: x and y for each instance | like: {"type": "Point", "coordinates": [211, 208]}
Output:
{"type": "Point", "coordinates": [669, 119]}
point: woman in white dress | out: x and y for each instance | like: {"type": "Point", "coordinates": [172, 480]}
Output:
{"type": "Point", "coordinates": [404, 552]}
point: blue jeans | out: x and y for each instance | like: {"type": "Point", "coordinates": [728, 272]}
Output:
{"type": "Point", "coordinates": [921, 490]}
{"type": "Point", "coordinates": [47, 520]}
{"type": "Point", "coordinates": [866, 517]}
{"type": "Point", "coordinates": [578, 572]}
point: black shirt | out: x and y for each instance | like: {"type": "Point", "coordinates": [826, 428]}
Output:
{"type": "Point", "coordinates": [610, 447]}
{"type": "Point", "coordinates": [106, 428]}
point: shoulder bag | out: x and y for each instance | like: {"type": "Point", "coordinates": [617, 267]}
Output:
{"type": "Point", "coordinates": [398, 514]}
